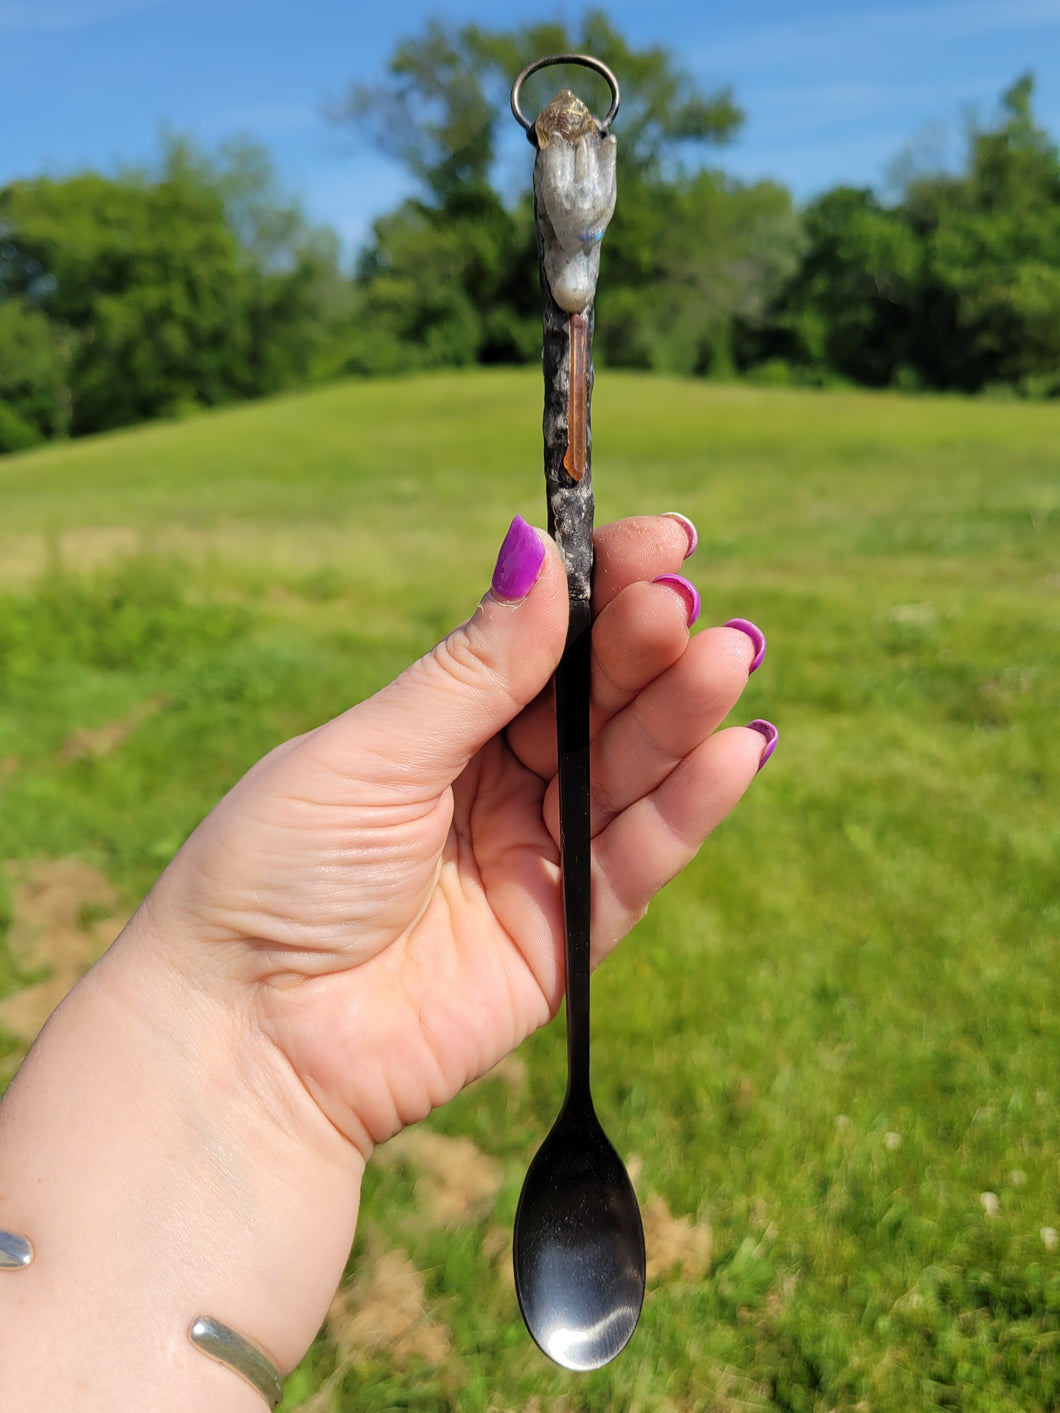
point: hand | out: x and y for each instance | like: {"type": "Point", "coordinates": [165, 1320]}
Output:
{"type": "Point", "coordinates": [370, 919]}
{"type": "Point", "coordinates": [382, 894]}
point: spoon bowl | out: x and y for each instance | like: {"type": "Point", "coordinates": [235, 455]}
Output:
{"type": "Point", "coordinates": [578, 1245]}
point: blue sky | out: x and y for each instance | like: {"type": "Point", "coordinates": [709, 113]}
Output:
{"type": "Point", "coordinates": [833, 89]}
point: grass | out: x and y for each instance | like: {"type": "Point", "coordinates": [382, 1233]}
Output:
{"type": "Point", "coordinates": [836, 1038]}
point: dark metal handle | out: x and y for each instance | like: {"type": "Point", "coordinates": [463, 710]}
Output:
{"type": "Point", "coordinates": [567, 426]}
{"type": "Point", "coordinates": [575, 825]}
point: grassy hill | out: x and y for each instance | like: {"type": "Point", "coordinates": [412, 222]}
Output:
{"type": "Point", "coordinates": [833, 1045]}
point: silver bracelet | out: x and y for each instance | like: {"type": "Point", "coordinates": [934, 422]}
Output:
{"type": "Point", "coordinates": [15, 1251]}
{"type": "Point", "coordinates": [209, 1336]}
{"type": "Point", "coordinates": [240, 1355]}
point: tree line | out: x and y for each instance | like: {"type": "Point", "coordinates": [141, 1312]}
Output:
{"type": "Point", "coordinates": [197, 281]}
{"type": "Point", "coordinates": [157, 292]}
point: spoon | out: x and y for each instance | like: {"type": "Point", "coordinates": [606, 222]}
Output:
{"type": "Point", "coordinates": [578, 1243]}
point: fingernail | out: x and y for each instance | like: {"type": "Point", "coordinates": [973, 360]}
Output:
{"type": "Point", "coordinates": [770, 732]}
{"type": "Point", "coordinates": [687, 526]}
{"type": "Point", "coordinates": [756, 636]}
{"type": "Point", "coordinates": [686, 589]}
{"type": "Point", "coordinates": [519, 562]}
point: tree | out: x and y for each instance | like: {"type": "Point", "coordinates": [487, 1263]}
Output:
{"type": "Point", "coordinates": [956, 285]}
{"type": "Point", "coordinates": [448, 288]}
{"type": "Point", "coordinates": [187, 286]}
{"type": "Point", "coordinates": [453, 274]}
{"type": "Point", "coordinates": [300, 301]}
{"type": "Point", "coordinates": [993, 240]}
{"type": "Point", "coordinates": [712, 251]}
{"type": "Point", "coordinates": [445, 98]}
{"type": "Point", "coordinates": [146, 276]}
{"type": "Point", "coordinates": [34, 398]}
{"type": "Point", "coordinates": [850, 308]}
{"type": "Point", "coordinates": [432, 113]}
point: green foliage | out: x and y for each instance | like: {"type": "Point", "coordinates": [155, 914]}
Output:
{"type": "Point", "coordinates": [957, 286]}
{"type": "Point", "coordinates": [147, 277]}
{"type": "Point", "coordinates": [993, 242]}
{"type": "Point", "coordinates": [197, 281]}
{"type": "Point", "coordinates": [445, 97]}
{"type": "Point", "coordinates": [269, 227]}
{"type": "Point", "coordinates": [33, 392]}
{"type": "Point", "coordinates": [299, 302]}
{"type": "Point", "coordinates": [850, 305]}
{"type": "Point", "coordinates": [448, 286]}
{"type": "Point", "coordinates": [453, 278]}
{"type": "Point", "coordinates": [125, 299]}
{"type": "Point", "coordinates": [432, 114]}
{"type": "Point", "coordinates": [16, 434]}
{"type": "Point", "coordinates": [684, 262]}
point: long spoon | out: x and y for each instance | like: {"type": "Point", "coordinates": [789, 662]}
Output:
{"type": "Point", "coordinates": [578, 1242]}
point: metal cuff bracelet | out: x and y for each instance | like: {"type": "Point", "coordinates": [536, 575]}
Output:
{"type": "Point", "coordinates": [244, 1358]}
{"type": "Point", "coordinates": [209, 1336]}
{"type": "Point", "coordinates": [15, 1251]}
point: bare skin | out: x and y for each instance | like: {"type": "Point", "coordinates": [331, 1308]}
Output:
{"type": "Point", "coordinates": [369, 920]}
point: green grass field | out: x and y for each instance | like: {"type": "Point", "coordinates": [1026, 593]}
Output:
{"type": "Point", "coordinates": [833, 1046]}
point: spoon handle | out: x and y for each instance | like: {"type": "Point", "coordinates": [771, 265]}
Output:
{"type": "Point", "coordinates": [572, 733]}
{"type": "Point", "coordinates": [568, 475]}
{"type": "Point", "coordinates": [574, 197]}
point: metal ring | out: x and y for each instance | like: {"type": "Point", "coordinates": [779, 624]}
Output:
{"type": "Point", "coordinates": [587, 62]}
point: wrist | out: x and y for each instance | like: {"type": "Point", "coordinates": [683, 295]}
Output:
{"type": "Point", "coordinates": [155, 1140]}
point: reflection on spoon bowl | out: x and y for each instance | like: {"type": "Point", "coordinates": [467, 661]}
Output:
{"type": "Point", "coordinates": [579, 1245]}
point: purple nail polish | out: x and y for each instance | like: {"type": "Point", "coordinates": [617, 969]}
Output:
{"type": "Point", "coordinates": [686, 589]}
{"type": "Point", "coordinates": [688, 527]}
{"type": "Point", "coordinates": [770, 732]}
{"type": "Point", "coordinates": [519, 562]}
{"type": "Point", "coordinates": [757, 637]}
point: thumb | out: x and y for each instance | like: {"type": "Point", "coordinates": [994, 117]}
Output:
{"type": "Point", "coordinates": [430, 721]}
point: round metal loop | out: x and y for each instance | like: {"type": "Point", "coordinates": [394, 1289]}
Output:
{"type": "Point", "coordinates": [587, 62]}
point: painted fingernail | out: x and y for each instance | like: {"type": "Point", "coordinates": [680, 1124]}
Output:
{"type": "Point", "coordinates": [770, 732]}
{"type": "Point", "coordinates": [686, 589]}
{"type": "Point", "coordinates": [519, 562]}
{"type": "Point", "coordinates": [757, 637]}
{"type": "Point", "coordinates": [687, 526]}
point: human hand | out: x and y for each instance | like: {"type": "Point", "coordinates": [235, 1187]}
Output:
{"type": "Point", "coordinates": [367, 921]}
{"type": "Point", "coordinates": [381, 895]}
